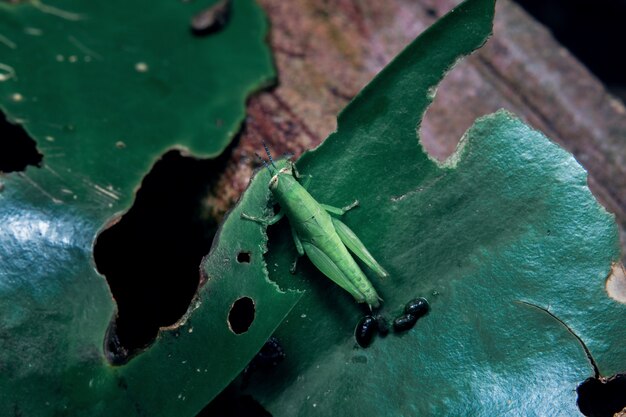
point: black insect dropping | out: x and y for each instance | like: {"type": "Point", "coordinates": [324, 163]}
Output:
{"type": "Point", "coordinates": [212, 19]}
{"type": "Point", "coordinates": [413, 310]}
{"type": "Point", "coordinates": [404, 322]}
{"type": "Point", "coordinates": [383, 325]}
{"type": "Point", "coordinates": [417, 307]}
{"type": "Point", "coordinates": [365, 331]}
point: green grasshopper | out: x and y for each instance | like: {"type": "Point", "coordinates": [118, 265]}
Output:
{"type": "Point", "coordinates": [323, 238]}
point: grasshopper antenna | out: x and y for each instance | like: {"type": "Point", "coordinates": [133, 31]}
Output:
{"type": "Point", "coordinates": [269, 155]}
{"type": "Point", "coordinates": [266, 164]}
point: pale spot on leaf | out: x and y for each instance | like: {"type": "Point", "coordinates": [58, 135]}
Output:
{"type": "Point", "coordinates": [616, 283]}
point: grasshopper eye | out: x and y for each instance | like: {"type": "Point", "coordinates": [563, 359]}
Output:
{"type": "Point", "coordinates": [274, 182]}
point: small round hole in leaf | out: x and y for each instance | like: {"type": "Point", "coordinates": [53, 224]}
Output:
{"type": "Point", "coordinates": [243, 257]}
{"type": "Point", "coordinates": [241, 315]}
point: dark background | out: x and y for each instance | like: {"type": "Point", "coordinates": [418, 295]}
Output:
{"type": "Point", "coordinates": [593, 30]}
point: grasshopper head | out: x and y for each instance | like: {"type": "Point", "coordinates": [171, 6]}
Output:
{"type": "Point", "coordinates": [286, 171]}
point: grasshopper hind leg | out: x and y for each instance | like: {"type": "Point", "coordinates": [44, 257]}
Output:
{"type": "Point", "coordinates": [332, 271]}
{"type": "Point", "coordinates": [357, 247]}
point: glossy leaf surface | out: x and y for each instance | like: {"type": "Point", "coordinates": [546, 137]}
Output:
{"type": "Point", "coordinates": [105, 88]}
{"type": "Point", "coordinates": [504, 239]}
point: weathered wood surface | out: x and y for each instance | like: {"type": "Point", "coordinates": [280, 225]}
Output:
{"type": "Point", "coordinates": [325, 51]}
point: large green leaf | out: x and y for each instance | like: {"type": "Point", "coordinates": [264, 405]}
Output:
{"type": "Point", "coordinates": [504, 239]}
{"type": "Point", "coordinates": [105, 88]}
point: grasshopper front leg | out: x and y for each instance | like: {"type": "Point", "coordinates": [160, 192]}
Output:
{"type": "Point", "coordinates": [272, 220]}
{"type": "Point", "coordinates": [340, 211]}
{"type": "Point", "coordinates": [265, 221]}
{"type": "Point", "coordinates": [299, 248]}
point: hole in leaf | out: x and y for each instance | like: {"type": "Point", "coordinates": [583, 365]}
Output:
{"type": "Point", "coordinates": [241, 315]}
{"type": "Point", "coordinates": [151, 257]}
{"type": "Point", "coordinates": [17, 149]}
{"type": "Point", "coordinates": [602, 397]}
{"type": "Point", "coordinates": [461, 97]}
{"type": "Point", "coordinates": [243, 257]}
{"type": "Point", "coordinates": [212, 19]}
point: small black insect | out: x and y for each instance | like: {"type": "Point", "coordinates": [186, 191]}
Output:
{"type": "Point", "coordinates": [270, 355]}
{"type": "Point", "coordinates": [417, 307]}
{"type": "Point", "coordinates": [365, 331]}
{"type": "Point", "coordinates": [404, 322]}
{"type": "Point", "coordinates": [383, 325]}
